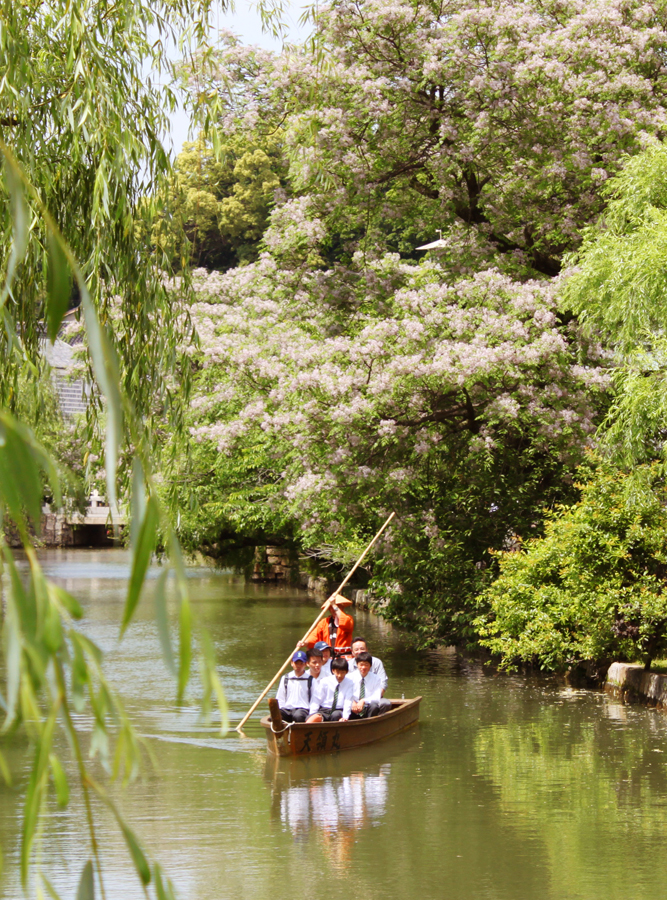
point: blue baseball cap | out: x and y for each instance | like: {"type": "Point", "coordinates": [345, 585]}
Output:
{"type": "Point", "coordinates": [321, 645]}
{"type": "Point", "coordinates": [299, 655]}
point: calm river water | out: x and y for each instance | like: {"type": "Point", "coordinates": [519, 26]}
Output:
{"type": "Point", "coordinates": [509, 788]}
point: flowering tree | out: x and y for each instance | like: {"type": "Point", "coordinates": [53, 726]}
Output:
{"type": "Point", "coordinates": [505, 118]}
{"type": "Point", "coordinates": [452, 391]}
{"type": "Point", "coordinates": [382, 386]}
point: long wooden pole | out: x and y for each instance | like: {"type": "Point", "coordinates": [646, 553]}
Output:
{"type": "Point", "coordinates": [322, 614]}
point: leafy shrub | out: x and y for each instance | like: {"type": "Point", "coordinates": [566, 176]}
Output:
{"type": "Point", "coordinates": [593, 588]}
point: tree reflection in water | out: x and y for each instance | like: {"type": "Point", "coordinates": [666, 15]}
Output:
{"type": "Point", "coordinates": [592, 788]}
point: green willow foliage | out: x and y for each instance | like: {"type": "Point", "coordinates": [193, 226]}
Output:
{"type": "Point", "coordinates": [79, 145]}
{"type": "Point", "coordinates": [619, 290]}
{"type": "Point", "coordinates": [84, 123]}
{"type": "Point", "coordinates": [593, 588]}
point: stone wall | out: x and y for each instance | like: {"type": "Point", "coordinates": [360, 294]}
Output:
{"type": "Point", "coordinates": [323, 587]}
{"type": "Point", "coordinates": [630, 683]}
{"type": "Point", "coordinates": [278, 565]}
{"type": "Point", "coordinates": [57, 531]}
{"type": "Point", "coordinates": [274, 565]}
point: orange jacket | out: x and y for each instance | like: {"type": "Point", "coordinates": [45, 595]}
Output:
{"type": "Point", "coordinates": [343, 635]}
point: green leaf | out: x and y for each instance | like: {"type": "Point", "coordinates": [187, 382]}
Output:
{"type": "Point", "coordinates": [53, 631]}
{"type": "Point", "coordinates": [163, 886]}
{"type": "Point", "coordinates": [143, 552]}
{"type": "Point", "coordinates": [137, 854]}
{"type": "Point", "coordinates": [35, 793]}
{"type": "Point", "coordinates": [184, 647]}
{"type": "Point", "coordinates": [86, 889]}
{"type": "Point", "coordinates": [59, 780]}
{"type": "Point", "coordinates": [88, 646]}
{"type": "Point", "coordinates": [22, 459]}
{"type": "Point", "coordinates": [58, 285]}
{"type": "Point", "coordinates": [105, 366]}
{"type": "Point", "coordinates": [4, 770]}
{"type": "Point", "coordinates": [20, 481]}
{"type": "Point", "coordinates": [13, 642]}
{"type": "Point", "coordinates": [138, 500]}
{"type": "Point", "coordinates": [52, 892]}
{"type": "Point", "coordinates": [20, 220]}
{"type": "Point", "coordinates": [80, 676]}
{"type": "Point", "coordinates": [162, 617]}
{"type": "Point", "coordinates": [64, 600]}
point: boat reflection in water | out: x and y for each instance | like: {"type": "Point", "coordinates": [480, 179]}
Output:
{"type": "Point", "coordinates": [331, 798]}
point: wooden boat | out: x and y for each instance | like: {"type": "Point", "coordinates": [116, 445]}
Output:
{"type": "Point", "coordinates": [330, 737]}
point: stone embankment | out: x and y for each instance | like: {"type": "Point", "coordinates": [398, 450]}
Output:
{"type": "Point", "coordinates": [62, 531]}
{"type": "Point", "coordinates": [632, 684]}
{"type": "Point", "coordinates": [323, 587]}
{"type": "Point", "coordinates": [277, 565]}
{"type": "Point", "coordinates": [274, 565]}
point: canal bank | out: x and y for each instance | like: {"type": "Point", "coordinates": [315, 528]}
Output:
{"type": "Point", "coordinates": [631, 683]}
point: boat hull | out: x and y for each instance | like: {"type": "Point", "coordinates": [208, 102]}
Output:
{"type": "Point", "coordinates": [332, 737]}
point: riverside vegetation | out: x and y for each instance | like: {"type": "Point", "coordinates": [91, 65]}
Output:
{"type": "Point", "coordinates": [497, 392]}
{"type": "Point", "coordinates": [341, 374]}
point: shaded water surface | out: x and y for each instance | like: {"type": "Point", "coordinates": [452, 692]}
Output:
{"type": "Point", "coordinates": [509, 788]}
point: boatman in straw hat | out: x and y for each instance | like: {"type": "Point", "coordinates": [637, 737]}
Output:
{"type": "Point", "coordinates": [335, 630]}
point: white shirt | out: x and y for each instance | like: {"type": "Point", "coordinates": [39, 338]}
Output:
{"type": "Point", "coordinates": [372, 683]}
{"type": "Point", "coordinates": [293, 692]}
{"type": "Point", "coordinates": [326, 668]}
{"type": "Point", "coordinates": [323, 693]}
{"type": "Point", "coordinates": [377, 668]}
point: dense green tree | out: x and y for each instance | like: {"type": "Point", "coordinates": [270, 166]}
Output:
{"type": "Point", "coordinates": [593, 588]}
{"type": "Point", "coordinates": [222, 199]}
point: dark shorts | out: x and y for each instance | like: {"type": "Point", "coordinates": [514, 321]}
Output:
{"type": "Point", "coordinates": [374, 708]}
{"type": "Point", "coordinates": [294, 715]}
{"type": "Point", "coordinates": [330, 716]}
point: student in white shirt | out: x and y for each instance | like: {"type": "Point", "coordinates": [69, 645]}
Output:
{"type": "Point", "coordinates": [332, 699]}
{"type": "Point", "coordinates": [315, 664]}
{"type": "Point", "coordinates": [294, 691]}
{"type": "Point", "coordinates": [368, 700]}
{"type": "Point", "coordinates": [325, 650]}
{"type": "Point", "coordinates": [359, 645]}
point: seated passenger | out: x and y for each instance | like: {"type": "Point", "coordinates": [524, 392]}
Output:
{"type": "Point", "coordinates": [359, 645]}
{"type": "Point", "coordinates": [315, 663]}
{"type": "Point", "coordinates": [332, 699]}
{"type": "Point", "coordinates": [294, 691]}
{"type": "Point", "coordinates": [325, 649]}
{"type": "Point", "coordinates": [368, 700]}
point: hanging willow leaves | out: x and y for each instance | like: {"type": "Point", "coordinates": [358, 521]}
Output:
{"type": "Point", "coordinates": [80, 151]}
{"type": "Point", "coordinates": [22, 462]}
